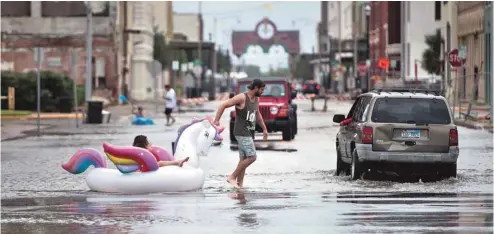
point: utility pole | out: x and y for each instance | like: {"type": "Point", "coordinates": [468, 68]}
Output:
{"type": "Point", "coordinates": [212, 83]}
{"type": "Point", "coordinates": [199, 47]}
{"type": "Point", "coordinates": [403, 40]}
{"type": "Point", "coordinates": [339, 45]}
{"type": "Point", "coordinates": [355, 42]}
{"type": "Point", "coordinates": [39, 56]}
{"type": "Point", "coordinates": [73, 67]}
{"type": "Point", "coordinates": [89, 51]}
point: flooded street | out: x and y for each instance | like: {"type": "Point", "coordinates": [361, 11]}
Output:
{"type": "Point", "coordinates": [289, 190]}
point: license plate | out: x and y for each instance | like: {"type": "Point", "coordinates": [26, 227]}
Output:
{"type": "Point", "coordinates": [410, 134]}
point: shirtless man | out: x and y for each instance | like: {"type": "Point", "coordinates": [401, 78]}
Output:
{"type": "Point", "coordinates": [247, 110]}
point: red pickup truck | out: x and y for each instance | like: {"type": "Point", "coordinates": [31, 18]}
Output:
{"type": "Point", "coordinates": [276, 107]}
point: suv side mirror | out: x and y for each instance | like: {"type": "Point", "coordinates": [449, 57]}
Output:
{"type": "Point", "coordinates": [338, 118]}
{"type": "Point", "coordinates": [293, 94]}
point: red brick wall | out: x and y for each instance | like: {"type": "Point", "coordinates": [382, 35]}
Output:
{"type": "Point", "coordinates": [20, 53]}
{"type": "Point", "coordinates": [378, 18]}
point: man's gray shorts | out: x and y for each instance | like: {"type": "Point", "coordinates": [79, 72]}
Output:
{"type": "Point", "coordinates": [246, 147]}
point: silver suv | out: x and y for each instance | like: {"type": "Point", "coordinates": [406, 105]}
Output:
{"type": "Point", "coordinates": [400, 130]}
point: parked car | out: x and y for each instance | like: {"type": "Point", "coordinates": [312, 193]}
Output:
{"type": "Point", "coordinates": [276, 107]}
{"type": "Point", "coordinates": [311, 87]}
{"type": "Point", "coordinates": [399, 130]}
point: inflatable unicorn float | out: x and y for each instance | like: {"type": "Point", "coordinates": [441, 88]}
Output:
{"type": "Point", "coordinates": [137, 169]}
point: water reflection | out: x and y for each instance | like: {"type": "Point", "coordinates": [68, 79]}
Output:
{"type": "Point", "coordinates": [417, 210]}
{"type": "Point", "coordinates": [248, 220]}
{"type": "Point", "coordinates": [238, 196]}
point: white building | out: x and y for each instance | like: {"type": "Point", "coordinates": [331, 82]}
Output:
{"type": "Point", "coordinates": [344, 30]}
{"type": "Point", "coordinates": [449, 16]}
{"type": "Point", "coordinates": [188, 24]}
{"type": "Point", "coordinates": [421, 20]}
{"type": "Point", "coordinates": [141, 84]}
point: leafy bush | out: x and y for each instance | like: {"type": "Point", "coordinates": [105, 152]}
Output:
{"type": "Point", "coordinates": [56, 90]}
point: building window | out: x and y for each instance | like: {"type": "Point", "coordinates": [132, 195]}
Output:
{"type": "Point", "coordinates": [437, 9]}
{"type": "Point", "coordinates": [16, 9]}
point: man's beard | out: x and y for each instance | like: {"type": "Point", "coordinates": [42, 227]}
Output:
{"type": "Point", "coordinates": [257, 94]}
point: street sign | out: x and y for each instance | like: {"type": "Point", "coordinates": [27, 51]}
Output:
{"type": "Point", "coordinates": [462, 52]}
{"type": "Point", "coordinates": [454, 58]}
{"type": "Point", "coordinates": [175, 65]}
{"type": "Point", "coordinates": [393, 64]}
{"type": "Point", "coordinates": [383, 63]}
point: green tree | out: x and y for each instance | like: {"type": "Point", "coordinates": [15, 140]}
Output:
{"type": "Point", "coordinates": [223, 61]}
{"type": "Point", "coordinates": [431, 57]}
{"type": "Point", "coordinates": [252, 70]}
{"type": "Point", "coordinates": [161, 52]}
{"type": "Point", "coordinates": [303, 69]}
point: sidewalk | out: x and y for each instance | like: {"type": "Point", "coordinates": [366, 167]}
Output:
{"type": "Point", "coordinates": [44, 116]}
{"type": "Point", "coordinates": [482, 125]}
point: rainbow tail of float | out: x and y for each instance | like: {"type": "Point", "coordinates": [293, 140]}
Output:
{"type": "Point", "coordinates": [84, 158]}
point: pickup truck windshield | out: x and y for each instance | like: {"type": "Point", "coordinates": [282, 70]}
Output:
{"type": "Point", "coordinates": [271, 90]}
{"type": "Point", "coordinates": [410, 110]}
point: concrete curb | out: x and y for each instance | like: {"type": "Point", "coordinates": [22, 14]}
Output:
{"type": "Point", "coordinates": [474, 125]}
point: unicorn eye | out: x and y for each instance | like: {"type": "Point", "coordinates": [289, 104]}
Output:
{"type": "Point", "coordinates": [206, 134]}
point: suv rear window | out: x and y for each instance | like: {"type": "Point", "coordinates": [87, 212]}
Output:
{"type": "Point", "coordinates": [410, 110]}
{"type": "Point", "coordinates": [270, 90]}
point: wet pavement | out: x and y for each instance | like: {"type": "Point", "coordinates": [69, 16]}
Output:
{"type": "Point", "coordinates": [286, 191]}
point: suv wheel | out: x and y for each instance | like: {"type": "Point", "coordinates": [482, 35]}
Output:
{"type": "Point", "coordinates": [295, 125]}
{"type": "Point", "coordinates": [287, 133]}
{"type": "Point", "coordinates": [340, 165]}
{"type": "Point", "coordinates": [356, 169]}
{"type": "Point", "coordinates": [448, 170]}
{"type": "Point", "coordinates": [232, 137]}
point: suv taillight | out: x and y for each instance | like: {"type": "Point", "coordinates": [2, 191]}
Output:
{"type": "Point", "coordinates": [305, 86]}
{"type": "Point", "coordinates": [318, 87]}
{"type": "Point", "coordinates": [367, 134]}
{"type": "Point", "coordinates": [453, 137]}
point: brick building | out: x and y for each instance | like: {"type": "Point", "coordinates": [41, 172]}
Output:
{"type": "Point", "coordinates": [378, 33]}
{"type": "Point", "coordinates": [59, 27]}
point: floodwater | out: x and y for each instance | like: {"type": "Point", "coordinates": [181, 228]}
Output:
{"type": "Point", "coordinates": [286, 192]}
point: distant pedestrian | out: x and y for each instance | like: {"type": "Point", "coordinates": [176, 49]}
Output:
{"type": "Point", "coordinates": [139, 113]}
{"type": "Point", "coordinates": [171, 103]}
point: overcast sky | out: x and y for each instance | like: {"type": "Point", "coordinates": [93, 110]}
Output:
{"type": "Point", "coordinates": [302, 16]}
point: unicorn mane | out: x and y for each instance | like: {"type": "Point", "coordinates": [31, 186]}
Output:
{"type": "Point", "coordinates": [182, 128]}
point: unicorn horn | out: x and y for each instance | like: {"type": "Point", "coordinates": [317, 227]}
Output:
{"type": "Point", "coordinates": [220, 129]}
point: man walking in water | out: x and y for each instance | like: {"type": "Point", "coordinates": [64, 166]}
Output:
{"type": "Point", "coordinates": [247, 110]}
{"type": "Point", "coordinates": [171, 103]}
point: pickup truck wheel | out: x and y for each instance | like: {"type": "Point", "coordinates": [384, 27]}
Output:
{"type": "Point", "coordinates": [232, 137]}
{"type": "Point", "coordinates": [356, 167]}
{"type": "Point", "coordinates": [287, 133]}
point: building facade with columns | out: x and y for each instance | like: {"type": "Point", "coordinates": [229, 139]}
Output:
{"type": "Point", "coordinates": [471, 35]}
